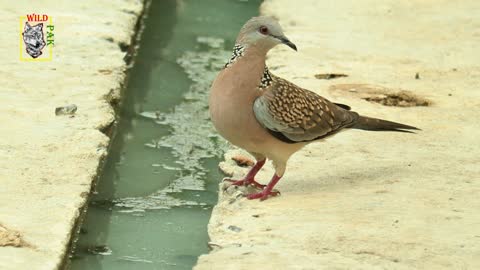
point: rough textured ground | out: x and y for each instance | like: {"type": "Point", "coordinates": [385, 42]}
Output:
{"type": "Point", "coordinates": [48, 162]}
{"type": "Point", "coordinates": [365, 200]}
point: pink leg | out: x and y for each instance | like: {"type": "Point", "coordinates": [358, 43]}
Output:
{"type": "Point", "coordinates": [263, 195]}
{"type": "Point", "coordinates": [250, 177]}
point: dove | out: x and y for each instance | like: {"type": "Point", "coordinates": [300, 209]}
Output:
{"type": "Point", "coordinates": [270, 117]}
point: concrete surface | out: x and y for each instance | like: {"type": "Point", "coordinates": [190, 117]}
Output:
{"type": "Point", "coordinates": [48, 162]}
{"type": "Point", "coordinates": [370, 200]}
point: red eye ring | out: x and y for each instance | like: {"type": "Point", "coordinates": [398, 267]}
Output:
{"type": "Point", "coordinates": [263, 30]}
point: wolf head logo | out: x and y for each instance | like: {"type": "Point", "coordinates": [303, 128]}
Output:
{"type": "Point", "coordinates": [34, 39]}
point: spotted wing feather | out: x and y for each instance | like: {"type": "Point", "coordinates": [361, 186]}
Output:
{"type": "Point", "coordinates": [294, 114]}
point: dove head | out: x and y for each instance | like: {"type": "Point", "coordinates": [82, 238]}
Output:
{"type": "Point", "coordinates": [264, 33]}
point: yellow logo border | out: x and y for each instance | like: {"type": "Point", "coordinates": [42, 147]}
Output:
{"type": "Point", "coordinates": [21, 45]}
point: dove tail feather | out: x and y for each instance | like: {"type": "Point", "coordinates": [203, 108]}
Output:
{"type": "Point", "coordinates": [374, 124]}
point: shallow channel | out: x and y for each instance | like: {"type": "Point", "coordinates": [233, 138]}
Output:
{"type": "Point", "coordinates": [153, 200]}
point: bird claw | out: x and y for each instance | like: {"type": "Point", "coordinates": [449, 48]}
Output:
{"type": "Point", "coordinates": [263, 195]}
{"type": "Point", "coordinates": [245, 182]}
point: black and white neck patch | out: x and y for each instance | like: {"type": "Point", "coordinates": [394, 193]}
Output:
{"type": "Point", "coordinates": [238, 51]}
{"type": "Point", "coordinates": [266, 80]}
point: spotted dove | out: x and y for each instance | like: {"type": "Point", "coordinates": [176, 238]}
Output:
{"type": "Point", "coordinates": [271, 117]}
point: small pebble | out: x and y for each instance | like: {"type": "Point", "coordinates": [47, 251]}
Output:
{"type": "Point", "coordinates": [243, 161]}
{"type": "Point", "coordinates": [66, 110]}
{"type": "Point", "coordinates": [234, 228]}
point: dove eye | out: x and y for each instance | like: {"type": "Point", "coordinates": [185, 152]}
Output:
{"type": "Point", "coordinates": [263, 30]}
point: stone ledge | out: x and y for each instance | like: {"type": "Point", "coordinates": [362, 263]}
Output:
{"type": "Point", "coordinates": [48, 162]}
{"type": "Point", "coordinates": [369, 200]}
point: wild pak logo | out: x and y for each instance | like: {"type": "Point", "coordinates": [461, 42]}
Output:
{"type": "Point", "coordinates": [37, 38]}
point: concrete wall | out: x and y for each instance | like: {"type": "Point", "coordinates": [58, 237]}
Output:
{"type": "Point", "coordinates": [48, 162]}
{"type": "Point", "coordinates": [370, 200]}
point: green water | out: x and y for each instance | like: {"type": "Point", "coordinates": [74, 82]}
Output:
{"type": "Point", "coordinates": [152, 203]}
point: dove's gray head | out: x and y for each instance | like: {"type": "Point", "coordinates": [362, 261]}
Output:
{"type": "Point", "coordinates": [264, 32]}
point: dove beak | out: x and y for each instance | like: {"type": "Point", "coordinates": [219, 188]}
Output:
{"type": "Point", "coordinates": [287, 42]}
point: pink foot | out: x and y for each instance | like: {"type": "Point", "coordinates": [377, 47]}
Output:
{"type": "Point", "coordinates": [268, 191]}
{"type": "Point", "coordinates": [263, 195]}
{"type": "Point", "coordinates": [250, 177]}
{"type": "Point", "coordinates": [245, 182]}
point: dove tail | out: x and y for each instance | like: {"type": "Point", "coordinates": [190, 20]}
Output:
{"type": "Point", "coordinates": [374, 124]}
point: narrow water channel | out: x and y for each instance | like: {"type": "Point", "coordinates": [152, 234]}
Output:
{"type": "Point", "coordinates": [153, 200]}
